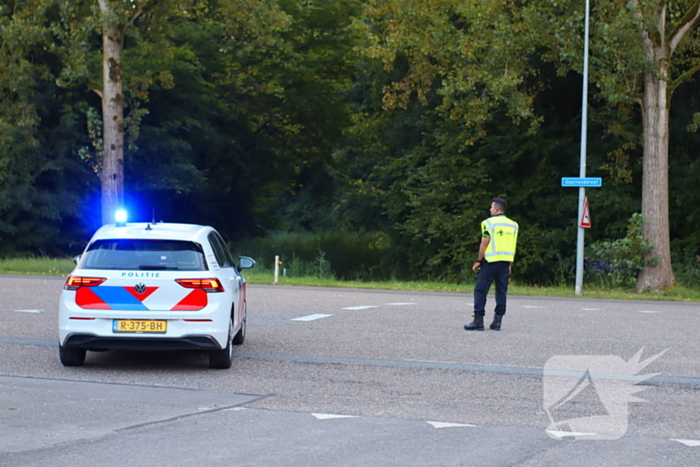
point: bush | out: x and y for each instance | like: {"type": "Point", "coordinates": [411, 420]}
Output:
{"type": "Point", "coordinates": [685, 258]}
{"type": "Point", "coordinates": [319, 267]}
{"type": "Point", "coordinates": [342, 255]}
{"type": "Point", "coordinates": [621, 260]}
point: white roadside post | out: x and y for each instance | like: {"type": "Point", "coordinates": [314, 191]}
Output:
{"type": "Point", "coordinates": [277, 269]}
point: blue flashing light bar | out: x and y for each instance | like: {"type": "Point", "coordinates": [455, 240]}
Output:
{"type": "Point", "coordinates": [120, 217]}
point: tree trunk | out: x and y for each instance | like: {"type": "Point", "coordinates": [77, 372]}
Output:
{"type": "Point", "coordinates": [655, 111]}
{"type": "Point", "coordinates": [112, 175]}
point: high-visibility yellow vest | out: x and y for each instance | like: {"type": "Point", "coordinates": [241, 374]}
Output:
{"type": "Point", "coordinates": [504, 238]}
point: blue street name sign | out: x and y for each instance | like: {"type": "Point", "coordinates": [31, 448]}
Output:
{"type": "Point", "coordinates": [582, 181]}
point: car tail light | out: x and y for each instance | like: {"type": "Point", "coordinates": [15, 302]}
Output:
{"type": "Point", "coordinates": [208, 285]}
{"type": "Point", "coordinates": [74, 282]}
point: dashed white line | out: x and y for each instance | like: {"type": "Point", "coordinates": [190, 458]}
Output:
{"type": "Point", "coordinates": [438, 425]}
{"type": "Point", "coordinates": [693, 443]}
{"type": "Point", "coordinates": [590, 309]}
{"type": "Point", "coordinates": [532, 306]}
{"type": "Point", "coordinates": [29, 311]}
{"type": "Point", "coordinates": [361, 307]}
{"type": "Point", "coordinates": [331, 416]}
{"type": "Point", "coordinates": [311, 317]}
{"type": "Point", "coordinates": [648, 311]}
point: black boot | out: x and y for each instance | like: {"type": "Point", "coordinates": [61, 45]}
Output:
{"type": "Point", "coordinates": [496, 325]}
{"type": "Point", "coordinates": [476, 325]}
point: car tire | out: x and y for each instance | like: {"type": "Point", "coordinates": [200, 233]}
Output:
{"type": "Point", "coordinates": [221, 359]}
{"type": "Point", "coordinates": [240, 335]}
{"type": "Point", "coordinates": [71, 357]}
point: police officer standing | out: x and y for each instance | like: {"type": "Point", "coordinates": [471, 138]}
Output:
{"type": "Point", "coordinates": [499, 236]}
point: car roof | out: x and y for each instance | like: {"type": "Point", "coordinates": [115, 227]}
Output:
{"type": "Point", "coordinates": [161, 231]}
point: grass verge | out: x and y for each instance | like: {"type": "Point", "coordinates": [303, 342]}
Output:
{"type": "Point", "coordinates": [36, 266]}
{"type": "Point", "coordinates": [63, 267]}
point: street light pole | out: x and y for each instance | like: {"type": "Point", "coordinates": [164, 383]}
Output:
{"type": "Point", "coordinates": [582, 170]}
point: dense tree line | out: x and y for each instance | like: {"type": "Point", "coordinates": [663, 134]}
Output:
{"type": "Point", "coordinates": [390, 119]}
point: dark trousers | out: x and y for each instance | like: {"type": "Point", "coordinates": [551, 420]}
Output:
{"type": "Point", "coordinates": [499, 272]}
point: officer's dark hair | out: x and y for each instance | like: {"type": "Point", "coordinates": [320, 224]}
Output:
{"type": "Point", "coordinates": [500, 204]}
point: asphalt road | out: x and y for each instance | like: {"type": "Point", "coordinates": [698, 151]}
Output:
{"type": "Point", "coordinates": [371, 378]}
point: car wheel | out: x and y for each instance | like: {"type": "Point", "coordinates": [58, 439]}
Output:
{"type": "Point", "coordinates": [240, 335]}
{"type": "Point", "coordinates": [221, 359]}
{"type": "Point", "coordinates": [71, 357]}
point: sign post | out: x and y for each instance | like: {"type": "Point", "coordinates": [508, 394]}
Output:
{"type": "Point", "coordinates": [584, 218]}
{"type": "Point", "coordinates": [582, 169]}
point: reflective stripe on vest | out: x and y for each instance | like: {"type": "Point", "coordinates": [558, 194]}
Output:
{"type": "Point", "coordinates": [503, 238]}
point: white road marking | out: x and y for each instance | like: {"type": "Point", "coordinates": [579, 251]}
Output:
{"type": "Point", "coordinates": [330, 416]}
{"type": "Point", "coordinates": [563, 434]}
{"type": "Point", "coordinates": [29, 311]}
{"type": "Point", "coordinates": [532, 306]}
{"type": "Point", "coordinates": [311, 317]}
{"type": "Point", "coordinates": [361, 307]}
{"type": "Point", "coordinates": [590, 309]}
{"type": "Point", "coordinates": [438, 425]}
{"type": "Point", "coordinates": [693, 443]}
{"type": "Point", "coordinates": [399, 304]}
{"type": "Point", "coordinates": [648, 311]}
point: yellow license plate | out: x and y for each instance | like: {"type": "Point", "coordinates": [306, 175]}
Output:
{"type": "Point", "coordinates": [140, 325]}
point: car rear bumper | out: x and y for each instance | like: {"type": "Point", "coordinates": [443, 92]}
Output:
{"type": "Point", "coordinates": [93, 342]}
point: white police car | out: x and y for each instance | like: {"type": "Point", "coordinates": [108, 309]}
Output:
{"type": "Point", "coordinates": [154, 286]}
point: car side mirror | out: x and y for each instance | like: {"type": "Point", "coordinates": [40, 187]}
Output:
{"type": "Point", "coordinates": [76, 259]}
{"type": "Point", "coordinates": [245, 263]}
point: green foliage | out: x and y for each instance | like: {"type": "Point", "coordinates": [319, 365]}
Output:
{"type": "Point", "coordinates": [685, 254]}
{"type": "Point", "coordinates": [687, 270]}
{"type": "Point", "coordinates": [232, 111]}
{"type": "Point", "coordinates": [478, 51]}
{"type": "Point", "coordinates": [40, 185]}
{"type": "Point", "coordinates": [296, 267]}
{"type": "Point", "coordinates": [319, 268]}
{"type": "Point", "coordinates": [330, 119]}
{"type": "Point", "coordinates": [324, 254]}
{"type": "Point", "coordinates": [622, 260]}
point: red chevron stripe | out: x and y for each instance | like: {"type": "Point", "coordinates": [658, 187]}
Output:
{"type": "Point", "coordinates": [195, 300]}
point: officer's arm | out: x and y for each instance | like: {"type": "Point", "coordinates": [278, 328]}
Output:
{"type": "Point", "coordinates": [482, 251]}
{"type": "Point", "coordinates": [482, 248]}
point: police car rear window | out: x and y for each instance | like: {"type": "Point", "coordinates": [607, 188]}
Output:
{"type": "Point", "coordinates": [144, 255]}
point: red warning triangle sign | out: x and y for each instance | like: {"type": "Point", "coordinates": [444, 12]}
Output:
{"type": "Point", "coordinates": [585, 221]}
